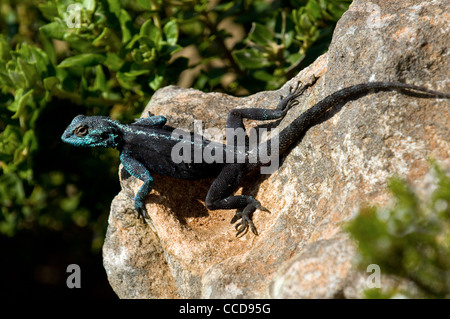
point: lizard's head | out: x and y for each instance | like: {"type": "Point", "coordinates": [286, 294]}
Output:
{"type": "Point", "coordinates": [92, 131]}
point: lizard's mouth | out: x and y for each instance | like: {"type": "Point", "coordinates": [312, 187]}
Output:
{"type": "Point", "coordinates": [89, 141]}
{"type": "Point", "coordinates": [69, 138]}
{"type": "Point", "coordinates": [66, 137]}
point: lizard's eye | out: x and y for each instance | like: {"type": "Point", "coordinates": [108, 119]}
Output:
{"type": "Point", "coordinates": [81, 131]}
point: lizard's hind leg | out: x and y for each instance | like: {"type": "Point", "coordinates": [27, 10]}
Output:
{"type": "Point", "coordinates": [219, 194]}
{"type": "Point", "coordinates": [218, 197]}
{"type": "Point", "coordinates": [284, 105]}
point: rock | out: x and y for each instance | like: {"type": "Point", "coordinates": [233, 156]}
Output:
{"type": "Point", "coordinates": [137, 269]}
{"type": "Point", "coordinates": [337, 166]}
{"type": "Point", "coordinates": [309, 275]}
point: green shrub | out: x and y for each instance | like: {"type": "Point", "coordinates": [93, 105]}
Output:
{"type": "Point", "coordinates": [410, 239]}
{"type": "Point", "coordinates": [107, 57]}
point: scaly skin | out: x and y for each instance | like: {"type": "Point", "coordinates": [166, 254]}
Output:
{"type": "Point", "coordinates": [146, 146]}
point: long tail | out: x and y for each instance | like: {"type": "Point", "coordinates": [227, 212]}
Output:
{"type": "Point", "coordinates": [291, 133]}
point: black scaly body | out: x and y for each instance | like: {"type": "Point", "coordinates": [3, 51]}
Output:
{"type": "Point", "coordinates": [146, 146]}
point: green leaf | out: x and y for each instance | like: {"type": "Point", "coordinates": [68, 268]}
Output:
{"type": "Point", "coordinates": [171, 32]}
{"type": "Point", "coordinates": [48, 47]}
{"type": "Point", "coordinates": [250, 58]}
{"type": "Point", "coordinates": [168, 50]}
{"type": "Point", "coordinates": [89, 5]}
{"type": "Point", "coordinates": [288, 38]}
{"type": "Point", "coordinates": [135, 73]}
{"type": "Point", "coordinates": [30, 141]}
{"type": "Point", "coordinates": [130, 45]}
{"type": "Point", "coordinates": [126, 26]}
{"type": "Point", "coordinates": [54, 30]}
{"type": "Point", "coordinates": [148, 29]}
{"type": "Point", "coordinates": [10, 140]}
{"type": "Point", "coordinates": [82, 60]}
{"type": "Point", "coordinates": [156, 82]}
{"type": "Point", "coordinates": [113, 61]}
{"type": "Point", "coordinates": [29, 71]}
{"type": "Point", "coordinates": [125, 80]}
{"type": "Point", "coordinates": [4, 49]}
{"type": "Point", "coordinates": [260, 34]}
{"type": "Point", "coordinates": [114, 7]}
{"type": "Point", "coordinates": [50, 82]}
{"type": "Point", "coordinates": [100, 79]}
{"type": "Point", "coordinates": [17, 78]}
{"type": "Point", "coordinates": [305, 22]}
{"type": "Point", "coordinates": [40, 59]}
{"type": "Point", "coordinates": [264, 76]}
{"type": "Point", "coordinates": [48, 10]}
{"type": "Point", "coordinates": [295, 58]}
{"type": "Point", "coordinates": [83, 87]}
{"type": "Point", "coordinates": [145, 4]}
{"type": "Point", "coordinates": [5, 78]}
{"type": "Point", "coordinates": [334, 11]}
{"type": "Point", "coordinates": [103, 38]}
{"type": "Point", "coordinates": [62, 74]}
{"type": "Point", "coordinates": [107, 39]}
{"type": "Point", "coordinates": [313, 10]}
{"type": "Point", "coordinates": [146, 43]}
{"type": "Point", "coordinates": [20, 102]}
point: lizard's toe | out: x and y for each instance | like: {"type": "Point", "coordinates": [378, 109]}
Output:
{"type": "Point", "coordinates": [260, 207]}
{"type": "Point", "coordinates": [143, 213]}
{"type": "Point", "coordinates": [245, 218]}
{"type": "Point", "coordinates": [245, 223]}
{"type": "Point", "coordinates": [140, 208]}
{"type": "Point", "coordinates": [236, 217]}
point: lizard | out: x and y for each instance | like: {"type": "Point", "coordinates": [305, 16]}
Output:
{"type": "Point", "coordinates": [145, 146]}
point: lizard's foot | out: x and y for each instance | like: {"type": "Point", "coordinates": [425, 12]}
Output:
{"type": "Point", "coordinates": [144, 215]}
{"type": "Point", "coordinates": [140, 208]}
{"type": "Point", "coordinates": [244, 224]}
{"type": "Point", "coordinates": [246, 219]}
{"type": "Point", "coordinates": [287, 102]}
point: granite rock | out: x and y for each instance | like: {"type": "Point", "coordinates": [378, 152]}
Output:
{"type": "Point", "coordinates": [337, 166]}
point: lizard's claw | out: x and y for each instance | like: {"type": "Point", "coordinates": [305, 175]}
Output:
{"type": "Point", "coordinates": [296, 88]}
{"type": "Point", "coordinates": [260, 207]}
{"type": "Point", "coordinates": [288, 101]}
{"type": "Point", "coordinates": [244, 224]}
{"type": "Point", "coordinates": [143, 213]}
{"type": "Point", "coordinates": [246, 219]}
{"type": "Point", "coordinates": [140, 208]}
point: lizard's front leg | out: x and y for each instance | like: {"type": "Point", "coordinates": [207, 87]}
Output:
{"type": "Point", "coordinates": [137, 169]}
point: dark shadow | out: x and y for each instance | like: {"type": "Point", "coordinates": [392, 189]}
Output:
{"type": "Point", "coordinates": [184, 197]}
